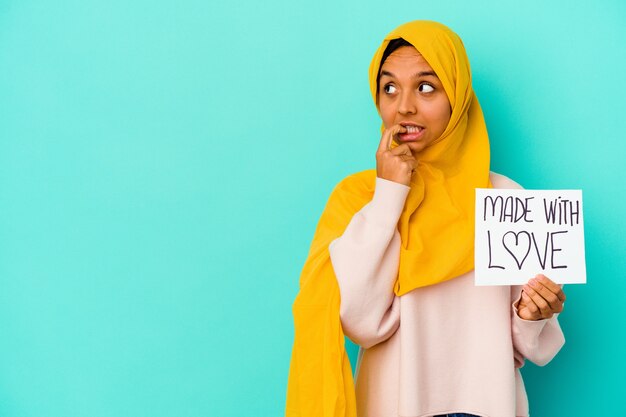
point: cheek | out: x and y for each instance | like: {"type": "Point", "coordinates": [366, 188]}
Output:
{"type": "Point", "coordinates": [441, 114]}
{"type": "Point", "coordinates": [387, 119]}
{"type": "Point", "coordinates": [446, 116]}
{"type": "Point", "coordinates": [386, 114]}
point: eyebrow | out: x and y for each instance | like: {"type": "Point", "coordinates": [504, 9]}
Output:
{"type": "Point", "coordinates": [416, 75]}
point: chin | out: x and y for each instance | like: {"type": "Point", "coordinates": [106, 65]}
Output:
{"type": "Point", "coordinates": [416, 147]}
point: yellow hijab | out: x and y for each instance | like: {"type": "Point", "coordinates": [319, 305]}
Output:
{"type": "Point", "coordinates": [436, 227]}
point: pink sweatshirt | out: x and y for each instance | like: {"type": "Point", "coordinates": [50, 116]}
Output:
{"type": "Point", "coordinates": [450, 347]}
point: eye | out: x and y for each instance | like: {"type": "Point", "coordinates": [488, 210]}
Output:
{"type": "Point", "coordinates": [389, 89]}
{"type": "Point", "coordinates": [426, 88]}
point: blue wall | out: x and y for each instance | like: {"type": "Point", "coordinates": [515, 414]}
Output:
{"type": "Point", "coordinates": [163, 165]}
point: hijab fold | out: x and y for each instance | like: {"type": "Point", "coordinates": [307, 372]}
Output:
{"type": "Point", "coordinates": [436, 227]}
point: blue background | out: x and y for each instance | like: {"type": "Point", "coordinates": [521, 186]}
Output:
{"type": "Point", "coordinates": [163, 166]}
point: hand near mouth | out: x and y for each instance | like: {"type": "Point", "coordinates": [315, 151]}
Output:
{"type": "Point", "coordinates": [397, 164]}
{"type": "Point", "coordinates": [412, 133]}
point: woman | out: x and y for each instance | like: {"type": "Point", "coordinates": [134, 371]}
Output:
{"type": "Point", "coordinates": [391, 263]}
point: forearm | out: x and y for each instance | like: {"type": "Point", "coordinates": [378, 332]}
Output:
{"type": "Point", "coordinates": [537, 340]}
{"type": "Point", "coordinates": [365, 260]}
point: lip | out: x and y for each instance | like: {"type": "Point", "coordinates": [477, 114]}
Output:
{"type": "Point", "coordinates": [411, 136]}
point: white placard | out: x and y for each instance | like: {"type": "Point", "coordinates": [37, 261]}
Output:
{"type": "Point", "coordinates": [522, 233]}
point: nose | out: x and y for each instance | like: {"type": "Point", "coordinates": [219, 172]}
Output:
{"type": "Point", "coordinates": [408, 103]}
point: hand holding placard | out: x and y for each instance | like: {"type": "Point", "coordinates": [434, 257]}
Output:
{"type": "Point", "coordinates": [541, 298]}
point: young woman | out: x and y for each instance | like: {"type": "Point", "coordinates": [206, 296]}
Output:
{"type": "Point", "coordinates": [391, 263]}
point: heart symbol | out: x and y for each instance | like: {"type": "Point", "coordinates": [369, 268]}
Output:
{"type": "Point", "coordinates": [516, 247]}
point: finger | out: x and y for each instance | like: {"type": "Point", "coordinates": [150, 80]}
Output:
{"type": "Point", "coordinates": [539, 301]}
{"type": "Point", "coordinates": [407, 158]}
{"type": "Point", "coordinates": [525, 299]}
{"type": "Point", "coordinates": [385, 142]}
{"type": "Point", "coordinates": [387, 137]}
{"type": "Point", "coordinates": [401, 150]}
{"type": "Point", "coordinates": [410, 161]}
{"type": "Point", "coordinates": [396, 129]}
{"type": "Point", "coordinates": [552, 286]}
{"type": "Point", "coordinates": [528, 309]}
{"type": "Point", "coordinates": [546, 293]}
{"type": "Point", "coordinates": [524, 314]}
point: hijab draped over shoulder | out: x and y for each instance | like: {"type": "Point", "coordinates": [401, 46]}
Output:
{"type": "Point", "coordinates": [436, 227]}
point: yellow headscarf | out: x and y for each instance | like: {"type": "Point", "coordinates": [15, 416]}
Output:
{"type": "Point", "coordinates": [436, 227]}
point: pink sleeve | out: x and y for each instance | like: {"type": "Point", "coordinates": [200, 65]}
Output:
{"type": "Point", "coordinates": [365, 260]}
{"type": "Point", "coordinates": [538, 341]}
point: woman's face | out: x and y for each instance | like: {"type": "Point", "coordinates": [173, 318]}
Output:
{"type": "Point", "coordinates": [411, 94]}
